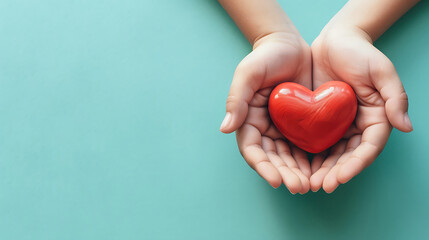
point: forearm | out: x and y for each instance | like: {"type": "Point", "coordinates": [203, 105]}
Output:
{"type": "Point", "coordinates": [258, 18]}
{"type": "Point", "coordinates": [370, 16]}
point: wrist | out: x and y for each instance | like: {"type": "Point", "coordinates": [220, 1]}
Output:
{"type": "Point", "coordinates": [292, 38]}
{"type": "Point", "coordinates": [337, 28]}
{"type": "Point", "coordinates": [334, 32]}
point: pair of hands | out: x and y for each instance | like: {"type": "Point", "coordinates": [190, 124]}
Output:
{"type": "Point", "coordinates": [343, 54]}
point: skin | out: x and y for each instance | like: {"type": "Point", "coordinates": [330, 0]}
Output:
{"type": "Point", "coordinates": [279, 54]}
{"type": "Point", "coordinates": [344, 52]}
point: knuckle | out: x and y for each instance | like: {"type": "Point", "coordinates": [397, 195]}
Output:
{"type": "Point", "coordinates": [403, 96]}
{"type": "Point", "coordinates": [231, 99]}
{"type": "Point", "coordinates": [232, 102]}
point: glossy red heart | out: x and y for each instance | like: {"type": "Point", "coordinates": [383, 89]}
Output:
{"type": "Point", "coordinates": [313, 121]}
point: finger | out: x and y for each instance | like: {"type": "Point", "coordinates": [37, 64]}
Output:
{"type": "Point", "coordinates": [285, 153]}
{"type": "Point", "coordinates": [317, 161]}
{"type": "Point", "coordinates": [387, 82]}
{"type": "Point", "coordinates": [305, 183]}
{"type": "Point", "coordinates": [290, 179]}
{"type": "Point", "coordinates": [302, 160]}
{"type": "Point", "coordinates": [291, 161]}
{"type": "Point", "coordinates": [353, 130]}
{"type": "Point", "coordinates": [260, 98]}
{"type": "Point", "coordinates": [293, 179]}
{"type": "Point", "coordinates": [330, 181]}
{"type": "Point", "coordinates": [249, 144]}
{"type": "Point", "coordinates": [258, 117]}
{"type": "Point", "coordinates": [258, 160]}
{"type": "Point", "coordinates": [317, 178]}
{"type": "Point", "coordinates": [374, 138]}
{"type": "Point", "coordinates": [246, 81]}
{"type": "Point", "coordinates": [273, 133]}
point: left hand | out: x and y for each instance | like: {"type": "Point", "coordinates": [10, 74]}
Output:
{"type": "Point", "coordinates": [276, 58]}
{"type": "Point", "coordinates": [347, 54]}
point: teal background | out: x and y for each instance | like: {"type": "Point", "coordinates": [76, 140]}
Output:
{"type": "Point", "coordinates": [109, 129]}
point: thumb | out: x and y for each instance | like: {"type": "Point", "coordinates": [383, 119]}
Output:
{"type": "Point", "coordinates": [387, 82]}
{"type": "Point", "coordinates": [397, 112]}
{"type": "Point", "coordinates": [245, 83]}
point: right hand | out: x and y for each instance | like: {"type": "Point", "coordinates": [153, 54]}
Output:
{"type": "Point", "coordinates": [347, 54]}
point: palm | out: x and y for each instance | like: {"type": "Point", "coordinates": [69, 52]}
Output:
{"type": "Point", "coordinates": [358, 63]}
{"type": "Point", "coordinates": [259, 141]}
{"type": "Point", "coordinates": [264, 148]}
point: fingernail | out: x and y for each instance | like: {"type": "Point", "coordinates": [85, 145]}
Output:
{"type": "Point", "coordinates": [226, 120]}
{"type": "Point", "coordinates": [407, 121]}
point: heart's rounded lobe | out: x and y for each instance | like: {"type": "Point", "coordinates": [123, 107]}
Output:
{"type": "Point", "coordinates": [313, 121]}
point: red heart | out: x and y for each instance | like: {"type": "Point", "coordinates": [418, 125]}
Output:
{"type": "Point", "coordinates": [313, 121]}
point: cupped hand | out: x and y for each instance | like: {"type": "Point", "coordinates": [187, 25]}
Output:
{"type": "Point", "coordinates": [347, 54]}
{"type": "Point", "coordinates": [276, 58]}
